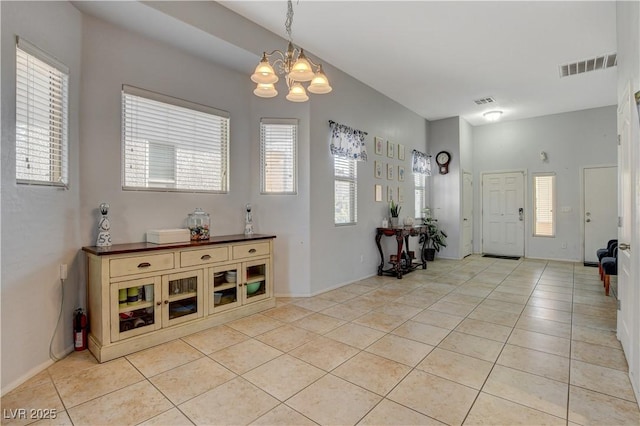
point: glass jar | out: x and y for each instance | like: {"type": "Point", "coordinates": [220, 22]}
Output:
{"type": "Point", "coordinates": [198, 223]}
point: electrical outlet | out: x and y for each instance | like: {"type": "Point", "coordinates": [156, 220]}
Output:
{"type": "Point", "coordinates": [361, 258]}
{"type": "Point", "coordinates": [63, 271]}
{"type": "Point", "coordinates": [564, 245]}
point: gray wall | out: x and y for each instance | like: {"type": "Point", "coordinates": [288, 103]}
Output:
{"type": "Point", "coordinates": [102, 57]}
{"type": "Point", "coordinates": [341, 254]}
{"type": "Point", "coordinates": [43, 228]}
{"type": "Point", "coordinates": [446, 190]}
{"type": "Point", "coordinates": [572, 141]}
{"type": "Point", "coordinates": [628, 40]}
{"type": "Point", "coordinates": [113, 57]}
{"type": "Point", "coordinates": [39, 224]}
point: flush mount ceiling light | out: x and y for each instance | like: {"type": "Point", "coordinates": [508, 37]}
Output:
{"type": "Point", "coordinates": [492, 115]}
{"type": "Point", "coordinates": [294, 66]}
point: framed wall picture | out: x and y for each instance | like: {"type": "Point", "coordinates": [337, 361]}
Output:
{"type": "Point", "coordinates": [377, 169]}
{"type": "Point", "coordinates": [378, 142]}
{"type": "Point", "coordinates": [389, 171]}
{"type": "Point", "coordinates": [400, 152]}
{"type": "Point", "coordinates": [390, 149]}
{"type": "Point", "coordinates": [400, 195]}
{"type": "Point", "coordinates": [400, 173]}
{"type": "Point", "coordinates": [378, 192]}
{"type": "Point", "coordinates": [389, 193]}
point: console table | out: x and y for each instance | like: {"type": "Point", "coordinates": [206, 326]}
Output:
{"type": "Point", "coordinates": [402, 234]}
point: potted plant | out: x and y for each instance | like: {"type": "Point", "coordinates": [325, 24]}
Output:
{"type": "Point", "coordinates": [436, 238]}
{"type": "Point", "coordinates": [394, 209]}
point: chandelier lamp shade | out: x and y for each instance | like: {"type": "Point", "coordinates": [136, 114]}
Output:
{"type": "Point", "coordinates": [294, 66]}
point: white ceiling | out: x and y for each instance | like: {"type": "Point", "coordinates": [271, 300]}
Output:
{"type": "Point", "coordinates": [435, 58]}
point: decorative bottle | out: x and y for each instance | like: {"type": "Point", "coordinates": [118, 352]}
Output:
{"type": "Point", "coordinates": [104, 227]}
{"type": "Point", "coordinates": [248, 221]}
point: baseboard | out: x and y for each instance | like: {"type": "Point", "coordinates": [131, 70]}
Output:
{"type": "Point", "coordinates": [552, 260]}
{"type": "Point", "coordinates": [33, 372]}
{"type": "Point", "coordinates": [337, 286]}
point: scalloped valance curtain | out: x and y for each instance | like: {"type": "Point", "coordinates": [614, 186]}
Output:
{"type": "Point", "coordinates": [347, 142]}
{"type": "Point", "coordinates": [421, 163]}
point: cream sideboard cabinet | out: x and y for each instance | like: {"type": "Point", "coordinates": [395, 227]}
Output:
{"type": "Point", "coordinates": [143, 294]}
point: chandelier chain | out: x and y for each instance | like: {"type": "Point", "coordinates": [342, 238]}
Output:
{"type": "Point", "coordinates": [289, 20]}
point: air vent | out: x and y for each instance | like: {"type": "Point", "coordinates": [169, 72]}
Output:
{"type": "Point", "coordinates": [593, 64]}
{"type": "Point", "coordinates": [483, 101]}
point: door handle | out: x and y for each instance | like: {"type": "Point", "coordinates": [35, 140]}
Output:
{"type": "Point", "coordinates": [624, 246]}
{"type": "Point", "coordinates": [521, 214]}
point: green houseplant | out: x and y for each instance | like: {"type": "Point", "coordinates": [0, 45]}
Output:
{"type": "Point", "coordinates": [435, 238]}
{"type": "Point", "coordinates": [394, 210]}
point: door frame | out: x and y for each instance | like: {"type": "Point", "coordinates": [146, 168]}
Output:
{"type": "Point", "coordinates": [466, 172]}
{"type": "Point", "coordinates": [626, 100]}
{"type": "Point", "coordinates": [525, 194]}
{"type": "Point", "coordinates": [582, 199]}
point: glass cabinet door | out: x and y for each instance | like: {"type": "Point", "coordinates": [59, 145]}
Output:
{"type": "Point", "coordinates": [223, 291]}
{"type": "Point", "coordinates": [257, 284]}
{"type": "Point", "coordinates": [181, 297]}
{"type": "Point", "coordinates": [135, 307]}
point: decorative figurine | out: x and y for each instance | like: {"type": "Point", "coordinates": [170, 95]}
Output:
{"type": "Point", "coordinates": [104, 236]}
{"type": "Point", "coordinates": [248, 221]}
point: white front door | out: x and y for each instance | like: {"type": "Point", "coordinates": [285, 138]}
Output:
{"type": "Point", "coordinates": [628, 292]}
{"type": "Point", "coordinates": [600, 186]}
{"type": "Point", "coordinates": [503, 213]}
{"type": "Point", "coordinates": [467, 214]}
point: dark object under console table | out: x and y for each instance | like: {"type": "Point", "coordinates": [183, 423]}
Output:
{"type": "Point", "coordinates": [402, 263]}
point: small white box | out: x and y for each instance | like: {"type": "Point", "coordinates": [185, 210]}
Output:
{"type": "Point", "coordinates": [168, 236]}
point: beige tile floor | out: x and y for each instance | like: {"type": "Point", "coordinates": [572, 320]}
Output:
{"type": "Point", "coordinates": [477, 341]}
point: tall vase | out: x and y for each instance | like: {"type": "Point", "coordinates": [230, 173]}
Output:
{"type": "Point", "coordinates": [394, 221]}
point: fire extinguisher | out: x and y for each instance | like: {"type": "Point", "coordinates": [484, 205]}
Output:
{"type": "Point", "coordinates": [80, 330]}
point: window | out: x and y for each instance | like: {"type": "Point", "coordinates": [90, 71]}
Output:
{"type": "Point", "coordinates": [42, 86]}
{"type": "Point", "coordinates": [345, 190]}
{"type": "Point", "coordinates": [420, 193]}
{"type": "Point", "coordinates": [170, 144]}
{"type": "Point", "coordinates": [278, 142]}
{"type": "Point", "coordinates": [544, 205]}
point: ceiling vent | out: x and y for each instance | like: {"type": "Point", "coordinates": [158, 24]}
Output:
{"type": "Point", "coordinates": [593, 64]}
{"type": "Point", "coordinates": [483, 101]}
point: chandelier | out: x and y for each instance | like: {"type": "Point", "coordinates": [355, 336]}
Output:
{"type": "Point", "coordinates": [294, 66]}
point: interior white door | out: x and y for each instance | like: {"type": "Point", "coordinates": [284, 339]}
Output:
{"type": "Point", "coordinates": [627, 288]}
{"type": "Point", "coordinates": [503, 213]}
{"type": "Point", "coordinates": [600, 186]}
{"type": "Point", "coordinates": [467, 214]}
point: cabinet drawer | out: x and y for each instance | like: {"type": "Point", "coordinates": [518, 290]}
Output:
{"type": "Point", "coordinates": [140, 264]}
{"type": "Point", "coordinates": [200, 257]}
{"type": "Point", "coordinates": [250, 250]}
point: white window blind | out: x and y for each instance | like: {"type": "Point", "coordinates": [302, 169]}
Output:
{"type": "Point", "coordinates": [169, 144]}
{"type": "Point", "coordinates": [42, 86]}
{"type": "Point", "coordinates": [345, 191]}
{"type": "Point", "coordinates": [420, 193]}
{"type": "Point", "coordinates": [278, 144]}
{"type": "Point", "coordinates": [544, 205]}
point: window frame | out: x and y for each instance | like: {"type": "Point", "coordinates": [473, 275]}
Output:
{"type": "Point", "coordinates": [265, 122]}
{"type": "Point", "coordinates": [190, 108]}
{"type": "Point", "coordinates": [419, 188]}
{"type": "Point", "coordinates": [58, 134]}
{"type": "Point", "coordinates": [553, 196]}
{"type": "Point", "coordinates": [352, 180]}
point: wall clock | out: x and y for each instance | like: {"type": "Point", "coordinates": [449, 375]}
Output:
{"type": "Point", "coordinates": [443, 158]}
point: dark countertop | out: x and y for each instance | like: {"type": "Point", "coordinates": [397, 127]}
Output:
{"type": "Point", "coordinates": [136, 247]}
